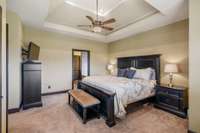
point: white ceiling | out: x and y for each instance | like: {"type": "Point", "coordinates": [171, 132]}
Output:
{"type": "Point", "coordinates": [105, 6]}
{"type": "Point", "coordinates": [133, 16]}
{"type": "Point", "coordinates": [125, 12]}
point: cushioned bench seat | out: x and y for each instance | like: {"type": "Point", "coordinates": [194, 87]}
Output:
{"type": "Point", "coordinates": [85, 100]}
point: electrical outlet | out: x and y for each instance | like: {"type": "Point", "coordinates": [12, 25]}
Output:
{"type": "Point", "coordinates": [49, 87]}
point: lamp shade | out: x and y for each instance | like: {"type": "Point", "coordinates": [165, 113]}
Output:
{"type": "Point", "coordinates": [171, 68]}
{"type": "Point", "coordinates": [110, 66]}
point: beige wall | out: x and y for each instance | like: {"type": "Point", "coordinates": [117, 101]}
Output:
{"type": "Point", "coordinates": [3, 59]}
{"type": "Point", "coordinates": [56, 57]}
{"type": "Point", "coordinates": [171, 41]}
{"type": "Point", "coordinates": [194, 66]}
{"type": "Point", "coordinates": [14, 61]}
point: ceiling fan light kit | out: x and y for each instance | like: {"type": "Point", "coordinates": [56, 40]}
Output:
{"type": "Point", "coordinates": [98, 25]}
{"type": "Point", "coordinates": [97, 29]}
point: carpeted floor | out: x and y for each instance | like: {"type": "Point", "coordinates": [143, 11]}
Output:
{"type": "Point", "coordinates": [57, 117]}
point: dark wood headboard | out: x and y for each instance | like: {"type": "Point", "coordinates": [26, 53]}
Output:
{"type": "Point", "coordinates": [140, 62]}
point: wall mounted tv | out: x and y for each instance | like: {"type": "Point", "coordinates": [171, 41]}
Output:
{"type": "Point", "coordinates": [33, 51]}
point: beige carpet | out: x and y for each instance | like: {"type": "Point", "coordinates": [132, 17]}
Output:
{"type": "Point", "coordinates": [57, 117]}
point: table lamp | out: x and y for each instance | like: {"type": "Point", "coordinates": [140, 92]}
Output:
{"type": "Point", "coordinates": [171, 69]}
{"type": "Point", "coordinates": [110, 67]}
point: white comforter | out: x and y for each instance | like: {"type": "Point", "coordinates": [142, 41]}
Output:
{"type": "Point", "coordinates": [127, 90]}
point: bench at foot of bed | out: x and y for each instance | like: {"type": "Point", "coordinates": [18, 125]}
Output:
{"type": "Point", "coordinates": [107, 101]}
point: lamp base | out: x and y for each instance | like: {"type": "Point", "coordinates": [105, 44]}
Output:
{"type": "Point", "coordinates": [170, 85]}
{"type": "Point", "coordinates": [170, 80]}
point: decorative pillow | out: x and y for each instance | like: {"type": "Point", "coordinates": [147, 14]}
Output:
{"type": "Point", "coordinates": [143, 73]}
{"type": "Point", "coordinates": [130, 73]}
{"type": "Point", "coordinates": [121, 72]}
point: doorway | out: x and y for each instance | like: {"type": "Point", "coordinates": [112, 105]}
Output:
{"type": "Point", "coordinates": [80, 65]}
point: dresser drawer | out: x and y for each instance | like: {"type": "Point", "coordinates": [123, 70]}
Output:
{"type": "Point", "coordinates": [169, 100]}
{"type": "Point", "coordinates": [170, 92]}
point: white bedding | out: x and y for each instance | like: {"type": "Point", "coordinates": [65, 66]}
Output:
{"type": "Point", "coordinates": [127, 90]}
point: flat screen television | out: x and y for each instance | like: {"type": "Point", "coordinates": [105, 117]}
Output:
{"type": "Point", "coordinates": [33, 51]}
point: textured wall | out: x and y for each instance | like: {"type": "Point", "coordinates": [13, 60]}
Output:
{"type": "Point", "coordinates": [56, 57]}
{"type": "Point", "coordinates": [14, 60]}
{"type": "Point", "coordinates": [194, 69]}
{"type": "Point", "coordinates": [170, 41]}
{"type": "Point", "coordinates": [3, 66]}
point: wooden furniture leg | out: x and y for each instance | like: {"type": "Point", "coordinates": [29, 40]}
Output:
{"type": "Point", "coordinates": [84, 115]}
{"type": "Point", "coordinates": [110, 121]}
{"type": "Point", "coordinates": [69, 99]}
{"type": "Point", "coordinates": [98, 111]}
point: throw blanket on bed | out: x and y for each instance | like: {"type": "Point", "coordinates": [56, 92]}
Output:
{"type": "Point", "coordinates": [127, 90]}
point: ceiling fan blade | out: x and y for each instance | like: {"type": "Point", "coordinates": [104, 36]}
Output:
{"type": "Point", "coordinates": [112, 20]}
{"type": "Point", "coordinates": [84, 25]}
{"type": "Point", "coordinates": [107, 28]}
{"type": "Point", "coordinates": [90, 18]}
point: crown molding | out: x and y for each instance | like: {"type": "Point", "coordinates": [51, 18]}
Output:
{"type": "Point", "coordinates": [75, 32]}
{"type": "Point", "coordinates": [154, 21]}
{"type": "Point", "coordinates": [171, 14]}
{"type": "Point", "coordinates": [167, 13]}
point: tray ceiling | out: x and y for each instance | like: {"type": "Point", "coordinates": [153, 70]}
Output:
{"type": "Point", "coordinates": [105, 6]}
{"type": "Point", "coordinates": [125, 12]}
{"type": "Point", "coordinates": [132, 16]}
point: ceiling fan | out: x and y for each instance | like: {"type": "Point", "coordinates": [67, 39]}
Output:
{"type": "Point", "coordinates": [96, 24]}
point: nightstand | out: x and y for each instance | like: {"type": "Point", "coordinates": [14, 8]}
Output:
{"type": "Point", "coordinates": [172, 99]}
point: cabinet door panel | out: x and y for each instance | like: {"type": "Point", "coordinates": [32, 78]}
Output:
{"type": "Point", "coordinates": [32, 86]}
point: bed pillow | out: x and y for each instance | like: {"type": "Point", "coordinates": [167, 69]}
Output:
{"type": "Point", "coordinates": [153, 74]}
{"type": "Point", "coordinates": [121, 72]}
{"type": "Point", "coordinates": [143, 73]}
{"type": "Point", "coordinates": [130, 73]}
{"type": "Point", "coordinates": [133, 68]}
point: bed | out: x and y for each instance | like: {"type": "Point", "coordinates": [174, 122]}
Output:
{"type": "Point", "coordinates": [117, 88]}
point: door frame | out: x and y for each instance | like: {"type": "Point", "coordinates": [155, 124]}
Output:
{"type": "Point", "coordinates": [7, 85]}
{"type": "Point", "coordinates": [1, 97]}
{"type": "Point", "coordinates": [81, 50]}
